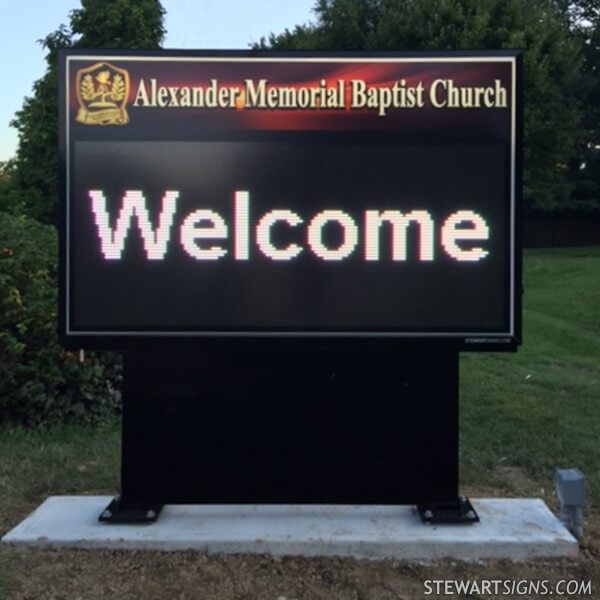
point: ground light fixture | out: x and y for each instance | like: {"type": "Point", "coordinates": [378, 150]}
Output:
{"type": "Point", "coordinates": [569, 486]}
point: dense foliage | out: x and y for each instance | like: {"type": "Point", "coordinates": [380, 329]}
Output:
{"type": "Point", "coordinates": [560, 40]}
{"type": "Point", "coordinates": [39, 380]}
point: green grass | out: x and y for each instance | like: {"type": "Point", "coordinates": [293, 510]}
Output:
{"type": "Point", "coordinates": [37, 463]}
{"type": "Point", "coordinates": [540, 408]}
{"type": "Point", "coordinates": [56, 460]}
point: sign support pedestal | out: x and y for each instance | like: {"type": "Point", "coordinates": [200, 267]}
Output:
{"type": "Point", "coordinates": [290, 422]}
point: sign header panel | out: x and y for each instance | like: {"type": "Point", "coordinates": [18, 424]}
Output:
{"type": "Point", "coordinates": [243, 194]}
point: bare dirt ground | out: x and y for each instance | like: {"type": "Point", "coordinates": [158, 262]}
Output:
{"type": "Point", "coordinates": [71, 574]}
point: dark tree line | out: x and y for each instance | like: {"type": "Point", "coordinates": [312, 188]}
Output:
{"type": "Point", "coordinates": [561, 40]}
{"type": "Point", "coordinates": [583, 19]}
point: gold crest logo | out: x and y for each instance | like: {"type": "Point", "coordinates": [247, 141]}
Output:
{"type": "Point", "coordinates": [102, 93]}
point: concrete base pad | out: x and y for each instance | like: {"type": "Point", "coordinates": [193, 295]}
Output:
{"type": "Point", "coordinates": [517, 529]}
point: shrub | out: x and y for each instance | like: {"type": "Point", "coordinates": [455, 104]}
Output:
{"type": "Point", "coordinates": [40, 381]}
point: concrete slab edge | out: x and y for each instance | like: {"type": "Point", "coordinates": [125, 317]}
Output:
{"type": "Point", "coordinates": [542, 536]}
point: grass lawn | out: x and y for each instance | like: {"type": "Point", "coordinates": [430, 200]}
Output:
{"type": "Point", "coordinates": [540, 408]}
{"type": "Point", "coordinates": [58, 460]}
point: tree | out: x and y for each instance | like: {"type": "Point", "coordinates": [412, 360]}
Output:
{"type": "Point", "coordinates": [552, 61]}
{"type": "Point", "coordinates": [97, 24]}
{"type": "Point", "coordinates": [9, 198]}
{"type": "Point", "coordinates": [35, 167]}
{"type": "Point", "coordinates": [583, 17]}
{"type": "Point", "coordinates": [118, 24]}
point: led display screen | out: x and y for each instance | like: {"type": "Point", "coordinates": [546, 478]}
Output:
{"type": "Point", "coordinates": [238, 194]}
